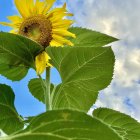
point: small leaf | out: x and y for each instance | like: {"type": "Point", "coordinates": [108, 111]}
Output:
{"type": "Point", "coordinates": [89, 38]}
{"type": "Point", "coordinates": [10, 121]}
{"type": "Point", "coordinates": [84, 71]}
{"type": "Point", "coordinates": [17, 51]}
{"type": "Point", "coordinates": [36, 87]}
{"type": "Point", "coordinates": [124, 125]}
{"type": "Point", "coordinates": [65, 125]}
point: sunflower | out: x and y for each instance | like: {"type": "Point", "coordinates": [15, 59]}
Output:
{"type": "Point", "coordinates": [38, 22]}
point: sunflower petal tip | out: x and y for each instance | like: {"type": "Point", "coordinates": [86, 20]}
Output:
{"type": "Point", "coordinates": [65, 5]}
{"type": "Point", "coordinates": [70, 14]}
{"type": "Point", "coordinates": [74, 36]}
{"type": "Point", "coordinates": [71, 44]}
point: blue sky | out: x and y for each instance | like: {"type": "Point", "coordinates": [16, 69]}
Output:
{"type": "Point", "coordinates": [117, 18]}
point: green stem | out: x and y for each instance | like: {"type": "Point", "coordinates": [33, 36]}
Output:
{"type": "Point", "coordinates": [47, 93]}
{"type": "Point", "coordinates": [52, 93]}
{"type": "Point", "coordinates": [46, 86]}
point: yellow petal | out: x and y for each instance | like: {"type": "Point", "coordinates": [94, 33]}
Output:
{"type": "Point", "coordinates": [63, 32]}
{"type": "Point", "coordinates": [25, 7]}
{"type": "Point", "coordinates": [15, 19]}
{"type": "Point", "coordinates": [62, 13]}
{"type": "Point", "coordinates": [41, 62]}
{"type": "Point", "coordinates": [10, 24]}
{"type": "Point", "coordinates": [48, 5]}
{"type": "Point", "coordinates": [56, 10]}
{"type": "Point", "coordinates": [39, 6]}
{"type": "Point", "coordinates": [62, 24]}
{"type": "Point", "coordinates": [55, 17]}
{"type": "Point", "coordinates": [22, 7]}
{"type": "Point", "coordinates": [30, 6]}
{"type": "Point", "coordinates": [65, 5]}
{"type": "Point", "coordinates": [62, 40]}
{"type": "Point", "coordinates": [54, 43]}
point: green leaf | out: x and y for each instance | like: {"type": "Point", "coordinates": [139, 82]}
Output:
{"type": "Point", "coordinates": [89, 38]}
{"type": "Point", "coordinates": [17, 51]}
{"type": "Point", "coordinates": [14, 73]}
{"type": "Point", "coordinates": [84, 71]}
{"type": "Point", "coordinates": [10, 121]}
{"type": "Point", "coordinates": [65, 125]}
{"type": "Point", "coordinates": [36, 87]}
{"type": "Point", "coordinates": [124, 125]}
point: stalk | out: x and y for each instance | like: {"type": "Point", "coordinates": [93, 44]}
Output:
{"type": "Point", "coordinates": [46, 86]}
{"type": "Point", "coordinates": [47, 93]}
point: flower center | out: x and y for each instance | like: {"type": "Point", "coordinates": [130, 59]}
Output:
{"type": "Point", "coordinates": [37, 28]}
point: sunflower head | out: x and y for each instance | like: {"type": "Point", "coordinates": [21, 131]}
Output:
{"type": "Point", "coordinates": [37, 28]}
{"type": "Point", "coordinates": [39, 23]}
{"type": "Point", "coordinates": [47, 27]}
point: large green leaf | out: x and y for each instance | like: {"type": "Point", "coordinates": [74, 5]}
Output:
{"type": "Point", "coordinates": [65, 125]}
{"type": "Point", "coordinates": [124, 125]}
{"type": "Point", "coordinates": [17, 51]}
{"type": "Point", "coordinates": [37, 88]}
{"type": "Point", "coordinates": [84, 71]}
{"type": "Point", "coordinates": [10, 121]}
{"type": "Point", "coordinates": [89, 38]}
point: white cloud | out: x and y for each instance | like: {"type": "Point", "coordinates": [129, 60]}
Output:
{"type": "Point", "coordinates": [120, 19]}
{"type": "Point", "coordinates": [127, 70]}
